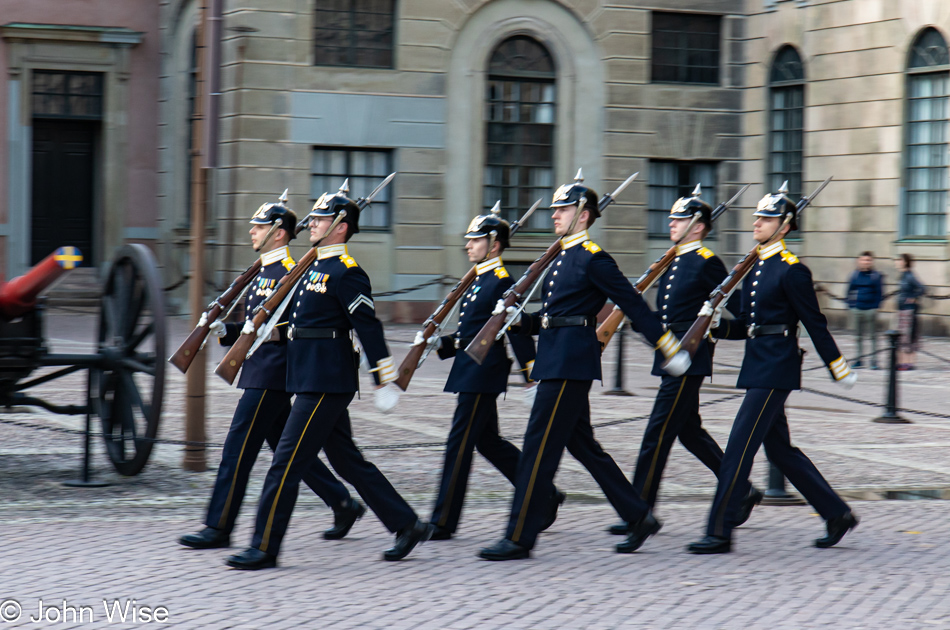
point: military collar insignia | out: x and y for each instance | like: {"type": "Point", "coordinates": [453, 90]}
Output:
{"type": "Point", "coordinates": [771, 250]}
{"type": "Point", "coordinates": [574, 239]}
{"type": "Point", "coordinates": [685, 248]}
{"type": "Point", "coordinates": [276, 255]}
{"type": "Point", "coordinates": [488, 265]}
{"type": "Point", "coordinates": [331, 251]}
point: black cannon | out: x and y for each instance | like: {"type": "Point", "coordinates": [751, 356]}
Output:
{"type": "Point", "coordinates": [125, 382]}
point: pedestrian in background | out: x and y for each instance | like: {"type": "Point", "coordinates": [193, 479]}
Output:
{"type": "Point", "coordinates": [909, 292]}
{"type": "Point", "coordinates": [865, 292]}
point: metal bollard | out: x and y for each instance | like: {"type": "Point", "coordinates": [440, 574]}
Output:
{"type": "Point", "coordinates": [618, 389]}
{"type": "Point", "coordinates": [890, 415]}
{"type": "Point", "coordinates": [776, 494]}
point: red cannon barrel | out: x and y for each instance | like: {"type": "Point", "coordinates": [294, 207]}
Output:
{"type": "Point", "coordinates": [18, 296]}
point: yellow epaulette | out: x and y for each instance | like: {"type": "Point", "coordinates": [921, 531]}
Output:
{"type": "Point", "coordinates": [501, 272]}
{"type": "Point", "coordinates": [348, 261]}
{"type": "Point", "coordinates": [288, 263]}
{"type": "Point", "coordinates": [705, 252]}
{"type": "Point", "coordinates": [591, 246]}
{"type": "Point", "coordinates": [789, 257]}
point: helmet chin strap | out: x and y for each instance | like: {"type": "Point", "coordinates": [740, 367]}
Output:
{"type": "Point", "coordinates": [577, 213]}
{"type": "Point", "coordinates": [492, 237]}
{"type": "Point", "coordinates": [273, 228]}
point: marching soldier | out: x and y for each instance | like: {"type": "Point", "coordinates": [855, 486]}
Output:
{"type": "Point", "coordinates": [263, 408]}
{"type": "Point", "coordinates": [475, 424]}
{"type": "Point", "coordinates": [334, 299]}
{"type": "Point", "coordinates": [776, 296]}
{"type": "Point", "coordinates": [580, 282]}
{"type": "Point", "coordinates": [683, 289]}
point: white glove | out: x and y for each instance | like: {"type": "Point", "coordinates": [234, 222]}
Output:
{"type": "Point", "coordinates": [274, 334]}
{"type": "Point", "coordinates": [678, 363]}
{"type": "Point", "coordinates": [203, 320]}
{"type": "Point", "coordinates": [848, 381]}
{"type": "Point", "coordinates": [435, 341]}
{"type": "Point", "coordinates": [386, 397]}
{"type": "Point", "coordinates": [716, 314]}
{"type": "Point", "coordinates": [248, 328]}
{"type": "Point", "coordinates": [217, 329]}
{"type": "Point", "coordinates": [499, 307]}
{"type": "Point", "coordinates": [530, 393]}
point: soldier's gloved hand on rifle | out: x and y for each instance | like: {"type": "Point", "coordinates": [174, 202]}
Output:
{"type": "Point", "coordinates": [707, 310]}
{"type": "Point", "coordinates": [500, 308]}
{"type": "Point", "coordinates": [848, 381]}
{"type": "Point", "coordinates": [217, 329]}
{"type": "Point", "coordinates": [435, 341]}
{"type": "Point", "coordinates": [386, 397]}
{"type": "Point", "coordinates": [678, 363]}
{"type": "Point", "coordinates": [530, 393]}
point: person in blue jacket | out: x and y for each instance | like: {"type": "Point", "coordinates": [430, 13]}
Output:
{"type": "Point", "coordinates": [682, 290]}
{"type": "Point", "coordinates": [865, 292]}
{"type": "Point", "coordinates": [332, 300]}
{"type": "Point", "coordinates": [475, 424]}
{"type": "Point", "coordinates": [776, 295]}
{"type": "Point", "coordinates": [579, 282]}
{"type": "Point", "coordinates": [263, 408]}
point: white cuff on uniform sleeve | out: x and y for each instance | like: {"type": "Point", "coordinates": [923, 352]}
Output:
{"type": "Point", "coordinates": [387, 370]}
{"type": "Point", "coordinates": [668, 344]}
{"type": "Point", "coordinates": [839, 368]}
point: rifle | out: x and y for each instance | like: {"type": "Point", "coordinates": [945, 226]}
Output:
{"type": "Point", "coordinates": [609, 326]}
{"type": "Point", "coordinates": [495, 327]}
{"type": "Point", "coordinates": [700, 328]}
{"type": "Point", "coordinates": [434, 324]}
{"type": "Point", "coordinates": [271, 309]}
{"type": "Point", "coordinates": [185, 355]}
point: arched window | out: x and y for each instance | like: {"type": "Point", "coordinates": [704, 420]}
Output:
{"type": "Point", "coordinates": [520, 116]}
{"type": "Point", "coordinates": [786, 122]}
{"type": "Point", "coordinates": [925, 159]}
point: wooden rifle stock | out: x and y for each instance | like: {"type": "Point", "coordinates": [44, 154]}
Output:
{"type": "Point", "coordinates": [609, 326]}
{"type": "Point", "coordinates": [186, 352]}
{"type": "Point", "coordinates": [409, 364]}
{"type": "Point", "coordinates": [694, 336]}
{"type": "Point", "coordinates": [234, 359]}
{"type": "Point", "coordinates": [483, 342]}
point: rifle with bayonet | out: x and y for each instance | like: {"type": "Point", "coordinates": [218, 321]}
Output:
{"type": "Point", "coordinates": [436, 322]}
{"type": "Point", "coordinates": [700, 328]}
{"type": "Point", "coordinates": [495, 327]}
{"type": "Point", "coordinates": [257, 328]}
{"type": "Point", "coordinates": [609, 326]}
{"type": "Point", "coordinates": [223, 304]}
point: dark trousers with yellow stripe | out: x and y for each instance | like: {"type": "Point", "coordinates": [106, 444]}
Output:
{"type": "Point", "coordinates": [761, 421]}
{"type": "Point", "coordinates": [260, 415]}
{"type": "Point", "coordinates": [675, 415]}
{"type": "Point", "coordinates": [475, 426]}
{"type": "Point", "coordinates": [321, 421]}
{"type": "Point", "coordinates": [561, 418]}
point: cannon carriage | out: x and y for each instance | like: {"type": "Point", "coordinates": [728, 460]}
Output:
{"type": "Point", "coordinates": [126, 379]}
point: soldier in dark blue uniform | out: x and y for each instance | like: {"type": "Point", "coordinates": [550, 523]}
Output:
{"type": "Point", "coordinates": [332, 300]}
{"type": "Point", "coordinates": [263, 409]}
{"type": "Point", "coordinates": [475, 424]}
{"type": "Point", "coordinates": [683, 288]}
{"type": "Point", "coordinates": [577, 286]}
{"type": "Point", "coordinates": [776, 296]}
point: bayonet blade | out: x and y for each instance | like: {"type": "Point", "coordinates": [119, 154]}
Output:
{"type": "Point", "coordinates": [369, 198]}
{"type": "Point", "coordinates": [526, 216]}
{"type": "Point", "coordinates": [622, 186]}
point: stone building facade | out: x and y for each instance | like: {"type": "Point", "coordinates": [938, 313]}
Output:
{"type": "Point", "coordinates": [471, 101]}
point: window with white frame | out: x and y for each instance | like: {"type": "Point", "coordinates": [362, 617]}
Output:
{"type": "Point", "coordinates": [671, 180]}
{"type": "Point", "coordinates": [365, 168]}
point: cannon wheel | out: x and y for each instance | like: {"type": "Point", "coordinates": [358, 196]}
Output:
{"type": "Point", "coordinates": [127, 387]}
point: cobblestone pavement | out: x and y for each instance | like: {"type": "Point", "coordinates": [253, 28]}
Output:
{"type": "Point", "coordinates": [118, 542]}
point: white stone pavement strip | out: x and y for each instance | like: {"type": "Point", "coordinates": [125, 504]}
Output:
{"type": "Point", "coordinates": [890, 572]}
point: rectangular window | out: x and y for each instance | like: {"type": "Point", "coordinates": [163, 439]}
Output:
{"type": "Point", "coordinates": [76, 95]}
{"type": "Point", "coordinates": [671, 180]}
{"type": "Point", "coordinates": [785, 150]}
{"type": "Point", "coordinates": [365, 169]}
{"type": "Point", "coordinates": [354, 33]}
{"type": "Point", "coordinates": [519, 164]}
{"type": "Point", "coordinates": [685, 48]}
{"type": "Point", "coordinates": [926, 183]}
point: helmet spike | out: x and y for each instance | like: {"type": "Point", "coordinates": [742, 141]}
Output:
{"type": "Point", "coordinates": [784, 189]}
{"type": "Point", "coordinates": [496, 209]}
{"type": "Point", "coordinates": [698, 190]}
{"type": "Point", "coordinates": [345, 188]}
{"type": "Point", "coordinates": [580, 176]}
{"type": "Point", "coordinates": [283, 196]}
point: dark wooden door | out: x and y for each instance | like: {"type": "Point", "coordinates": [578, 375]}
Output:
{"type": "Point", "coordinates": [63, 185]}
